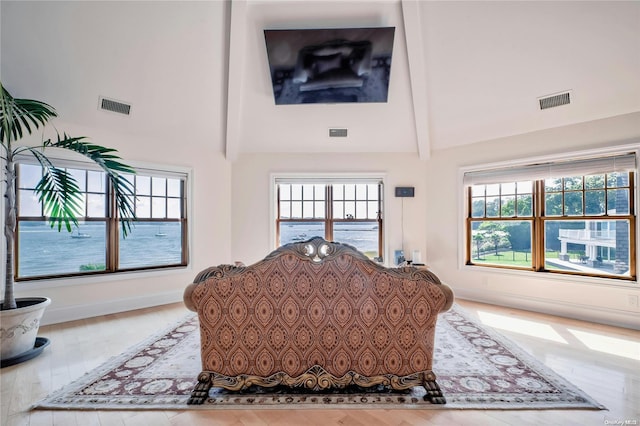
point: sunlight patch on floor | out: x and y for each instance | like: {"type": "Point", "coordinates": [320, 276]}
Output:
{"type": "Point", "coordinates": [611, 345]}
{"type": "Point", "coordinates": [527, 327]}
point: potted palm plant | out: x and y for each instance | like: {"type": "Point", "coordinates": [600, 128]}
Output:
{"type": "Point", "coordinates": [59, 194]}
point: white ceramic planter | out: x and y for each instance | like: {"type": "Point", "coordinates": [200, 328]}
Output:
{"type": "Point", "coordinates": [19, 327]}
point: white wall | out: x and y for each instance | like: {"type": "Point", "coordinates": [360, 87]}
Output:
{"type": "Point", "coordinates": [251, 196]}
{"type": "Point", "coordinates": [604, 301]}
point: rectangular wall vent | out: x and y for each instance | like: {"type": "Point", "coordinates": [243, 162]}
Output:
{"type": "Point", "coordinates": [115, 106]}
{"type": "Point", "coordinates": [337, 133]}
{"type": "Point", "coordinates": [555, 100]}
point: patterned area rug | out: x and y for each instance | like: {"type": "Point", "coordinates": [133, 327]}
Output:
{"type": "Point", "coordinates": [477, 368]}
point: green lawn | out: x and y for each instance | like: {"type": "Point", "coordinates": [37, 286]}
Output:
{"type": "Point", "coordinates": [511, 258]}
{"type": "Point", "coordinates": [507, 258]}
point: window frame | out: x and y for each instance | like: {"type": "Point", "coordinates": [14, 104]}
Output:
{"type": "Point", "coordinates": [326, 179]}
{"type": "Point", "coordinates": [538, 218]}
{"type": "Point", "coordinates": [112, 227]}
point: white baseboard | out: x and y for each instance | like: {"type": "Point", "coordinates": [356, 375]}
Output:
{"type": "Point", "coordinates": [71, 313]}
{"type": "Point", "coordinates": [616, 317]}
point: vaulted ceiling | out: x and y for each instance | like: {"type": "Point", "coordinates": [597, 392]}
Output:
{"type": "Point", "coordinates": [461, 73]}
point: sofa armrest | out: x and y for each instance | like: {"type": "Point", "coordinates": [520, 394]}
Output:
{"type": "Point", "coordinates": [432, 278]}
{"type": "Point", "coordinates": [212, 271]}
{"type": "Point", "coordinates": [449, 295]}
{"type": "Point", "coordinates": [188, 301]}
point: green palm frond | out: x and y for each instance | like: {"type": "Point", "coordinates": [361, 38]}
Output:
{"type": "Point", "coordinates": [123, 191]}
{"type": "Point", "coordinates": [110, 163]}
{"type": "Point", "coordinates": [59, 193]}
{"type": "Point", "coordinates": [20, 116]}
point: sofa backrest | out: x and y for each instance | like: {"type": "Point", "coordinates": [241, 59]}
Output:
{"type": "Point", "coordinates": [317, 302]}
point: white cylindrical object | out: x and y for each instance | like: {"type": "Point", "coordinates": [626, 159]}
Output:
{"type": "Point", "coordinates": [416, 257]}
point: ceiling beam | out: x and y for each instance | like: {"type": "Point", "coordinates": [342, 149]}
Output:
{"type": "Point", "coordinates": [237, 47]}
{"type": "Point", "coordinates": [417, 74]}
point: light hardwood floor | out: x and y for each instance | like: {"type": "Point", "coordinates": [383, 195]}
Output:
{"type": "Point", "coordinates": [603, 361]}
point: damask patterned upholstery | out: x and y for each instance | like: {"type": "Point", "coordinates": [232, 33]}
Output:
{"type": "Point", "coordinates": [316, 314]}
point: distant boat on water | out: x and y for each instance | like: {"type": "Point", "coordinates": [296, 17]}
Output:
{"type": "Point", "coordinates": [79, 234]}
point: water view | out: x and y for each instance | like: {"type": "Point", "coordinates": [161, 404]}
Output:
{"type": "Point", "coordinates": [363, 236]}
{"type": "Point", "coordinates": [45, 251]}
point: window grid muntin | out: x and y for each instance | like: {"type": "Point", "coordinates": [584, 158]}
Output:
{"type": "Point", "coordinates": [611, 183]}
{"type": "Point", "coordinates": [489, 198]}
{"type": "Point", "coordinates": [156, 194]}
{"type": "Point", "coordinates": [82, 180]}
{"type": "Point", "coordinates": [355, 201]}
{"type": "Point", "coordinates": [302, 201]}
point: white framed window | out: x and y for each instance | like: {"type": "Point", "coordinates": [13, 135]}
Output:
{"type": "Point", "coordinates": [158, 238]}
{"type": "Point", "coordinates": [342, 208]}
{"type": "Point", "coordinates": [571, 215]}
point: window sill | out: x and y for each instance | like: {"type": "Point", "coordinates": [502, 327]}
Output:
{"type": "Point", "coordinates": [38, 284]}
{"type": "Point", "coordinates": [550, 276]}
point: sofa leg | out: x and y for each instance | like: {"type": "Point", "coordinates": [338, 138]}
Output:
{"type": "Point", "coordinates": [434, 394]}
{"type": "Point", "coordinates": [200, 392]}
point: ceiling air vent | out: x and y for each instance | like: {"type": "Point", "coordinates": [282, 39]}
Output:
{"type": "Point", "coordinates": [555, 100]}
{"type": "Point", "coordinates": [115, 106]}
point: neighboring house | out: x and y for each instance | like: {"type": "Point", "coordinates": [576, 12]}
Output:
{"type": "Point", "coordinates": [598, 240]}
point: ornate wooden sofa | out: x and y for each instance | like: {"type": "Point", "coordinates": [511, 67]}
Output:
{"type": "Point", "coordinates": [316, 314]}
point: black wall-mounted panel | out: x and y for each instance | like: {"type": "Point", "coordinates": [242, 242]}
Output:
{"type": "Point", "coordinates": [405, 191]}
